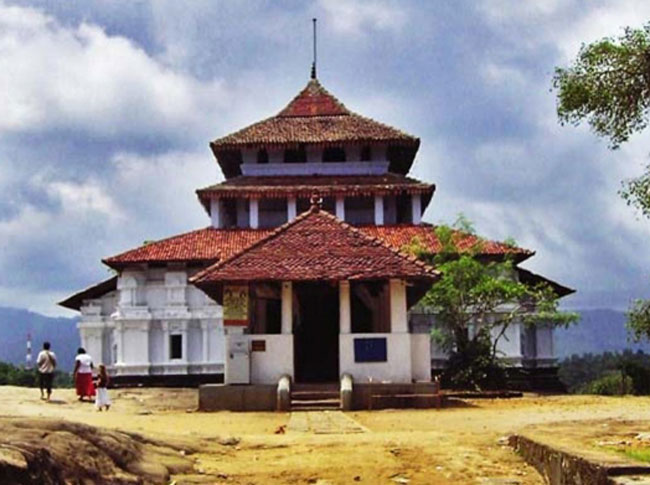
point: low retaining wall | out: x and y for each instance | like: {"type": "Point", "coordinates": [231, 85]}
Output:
{"type": "Point", "coordinates": [362, 395]}
{"type": "Point", "coordinates": [220, 397]}
{"type": "Point", "coordinates": [559, 467]}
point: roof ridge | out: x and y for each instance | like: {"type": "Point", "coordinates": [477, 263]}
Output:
{"type": "Point", "coordinates": [312, 89]}
{"type": "Point", "coordinates": [266, 238]}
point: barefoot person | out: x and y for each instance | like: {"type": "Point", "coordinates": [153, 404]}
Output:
{"type": "Point", "coordinates": [83, 374]}
{"type": "Point", "coordinates": [102, 400]}
{"type": "Point", "coordinates": [46, 362]}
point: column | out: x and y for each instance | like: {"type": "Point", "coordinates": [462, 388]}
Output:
{"type": "Point", "coordinates": [287, 307]}
{"type": "Point", "coordinates": [166, 342]}
{"type": "Point", "coordinates": [379, 210]}
{"type": "Point", "coordinates": [291, 208]}
{"type": "Point", "coordinates": [215, 213]}
{"type": "Point", "coordinates": [205, 356]}
{"type": "Point", "coordinates": [184, 343]}
{"type": "Point", "coordinates": [416, 206]}
{"type": "Point", "coordinates": [345, 323]}
{"type": "Point", "coordinates": [119, 327]}
{"type": "Point", "coordinates": [254, 213]}
{"type": "Point", "coordinates": [340, 207]}
{"type": "Point", "coordinates": [398, 319]}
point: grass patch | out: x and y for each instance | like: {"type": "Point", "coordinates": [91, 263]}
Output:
{"type": "Point", "coordinates": [641, 454]}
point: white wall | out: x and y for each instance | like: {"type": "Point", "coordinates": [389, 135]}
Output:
{"type": "Point", "coordinates": [421, 357]}
{"type": "Point", "coordinates": [267, 367]}
{"type": "Point", "coordinates": [397, 368]}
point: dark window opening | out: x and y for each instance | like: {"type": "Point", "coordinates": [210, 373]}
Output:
{"type": "Point", "coordinates": [228, 213]}
{"type": "Point", "coordinates": [175, 346]}
{"type": "Point", "coordinates": [272, 212]}
{"type": "Point", "coordinates": [360, 210]}
{"type": "Point", "coordinates": [295, 155]}
{"type": "Point", "coordinates": [369, 307]}
{"type": "Point", "coordinates": [404, 211]}
{"type": "Point", "coordinates": [265, 308]}
{"type": "Point", "coordinates": [366, 154]}
{"type": "Point", "coordinates": [262, 156]}
{"type": "Point", "coordinates": [334, 154]}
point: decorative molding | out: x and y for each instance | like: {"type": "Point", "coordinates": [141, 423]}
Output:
{"type": "Point", "coordinates": [318, 168]}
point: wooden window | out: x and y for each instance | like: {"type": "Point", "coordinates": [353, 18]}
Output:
{"type": "Point", "coordinates": [262, 156]}
{"type": "Point", "coordinates": [295, 155]}
{"type": "Point", "coordinates": [334, 154]}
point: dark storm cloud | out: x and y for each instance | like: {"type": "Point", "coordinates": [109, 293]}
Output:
{"type": "Point", "coordinates": [108, 153]}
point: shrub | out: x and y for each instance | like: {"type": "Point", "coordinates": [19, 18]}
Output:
{"type": "Point", "coordinates": [611, 384]}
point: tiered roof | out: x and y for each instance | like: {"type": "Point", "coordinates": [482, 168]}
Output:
{"type": "Point", "coordinates": [316, 246]}
{"type": "Point", "coordinates": [313, 117]}
{"type": "Point", "coordinates": [325, 185]}
{"type": "Point", "coordinates": [210, 245]}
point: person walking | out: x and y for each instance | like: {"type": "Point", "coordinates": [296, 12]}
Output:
{"type": "Point", "coordinates": [46, 362]}
{"type": "Point", "coordinates": [102, 400]}
{"type": "Point", "coordinates": [83, 374]}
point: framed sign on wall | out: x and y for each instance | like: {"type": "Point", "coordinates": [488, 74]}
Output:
{"type": "Point", "coordinates": [235, 305]}
{"type": "Point", "coordinates": [370, 350]}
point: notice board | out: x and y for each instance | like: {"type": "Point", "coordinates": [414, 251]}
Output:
{"type": "Point", "coordinates": [370, 349]}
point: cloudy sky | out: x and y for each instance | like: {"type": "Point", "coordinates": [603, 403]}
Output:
{"type": "Point", "coordinates": [107, 108]}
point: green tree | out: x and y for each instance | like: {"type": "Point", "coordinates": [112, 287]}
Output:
{"type": "Point", "coordinates": [608, 85]}
{"type": "Point", "coordinates": [638, 320]}
{"type": "Point", "coordinates": [475, 302]}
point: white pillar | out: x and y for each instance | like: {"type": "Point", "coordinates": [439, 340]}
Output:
{"type": "Point", "coordinates": [205, 356]}
{"type": "Point", "coordinates": [398, 319]}
{"type": "Point", "coordinates": [119, 327]}
{"type": "Point", "coordinates": [254, 214]}
{"type": "Point", "coordinates": [340, 207]}
{"type": "Point", "coordinates": [416, 206]}
{"type": "Point", "coordinates": [287, 307]}
{"type": "Point", "coordinates": [379, 210]}
{"type": "Point", "coordinates": [291, 208]}
{"type": "Point", "coordinates": [167, 343]}
{"type": "Point", "coordinates": [215, 213]}
{"type": "Point", "coordinates": [184, 341]}
{"type": "Point", "coordinates": [345, 322]}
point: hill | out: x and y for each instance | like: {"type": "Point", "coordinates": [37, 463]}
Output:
{"type": "Point", "coordinates": [598, 331]}
{"type": "Point", "coordinates": [16, 323]}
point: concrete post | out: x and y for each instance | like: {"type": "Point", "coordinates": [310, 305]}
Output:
{"type": "Point", "coordinates": [398, 318]}
{"type": "Point", "coordinates": [291, 208]}
{"type": "Point", "coordinates": [379, 210]}
{"type": "Point", "coordinates": [254, 213]}
{"type": "Point", "coordinates": [416, 206]}
{"type": "Point", "coordinates": [287, 307]}
{"type": "Point", "coordinates": [167, 343]}
{"type": "Point", "coordinates": [215, 213]}
{"type": "Point", "coordinates": [205, 348]}
{"type": "Point", "coordinates": [345, 324]}
{"type": "Point", "coordinates": [340, 207]}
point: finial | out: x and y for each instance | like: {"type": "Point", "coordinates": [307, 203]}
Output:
{"type": "Point", "coordinates": [313, 64]}
{"type": "Point", "coordinates": [316, 201]}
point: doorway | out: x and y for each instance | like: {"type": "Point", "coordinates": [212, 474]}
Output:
{"type": "Point", "coordinates": [316, 332]}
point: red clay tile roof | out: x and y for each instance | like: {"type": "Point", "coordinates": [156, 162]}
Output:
{"type": "Point", "coordinates": [201, 246]}
{"type": "Point", "coordinates": [75, 301]}
{"type": "Point", "coordinates": [315, 117]}
{"type": "Point", "coordinates": [326, 186]}
{"type": "Point", "coordinates": [210, 245]}
{"type": "Point", "coordinates": [316, 246]}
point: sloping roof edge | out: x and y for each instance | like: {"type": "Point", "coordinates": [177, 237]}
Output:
{"type": "Point", "coordinates": [97, 290]}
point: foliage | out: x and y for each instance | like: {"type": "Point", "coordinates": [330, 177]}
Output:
{"type": "Point", "coordinates": [608, 85]}
{"type": "Point", "coordinates": [638, 320]}
{"type": "Point", "coordinates": [475, 302]}
{"type": "Point", "coordinates": [11, 375]}
{"type": "Point", "coordinates": [581, 374]}
{"type": "Point", "coordinates": [641, 454]}
{"type": "Point", "coordinates": [611, 384]}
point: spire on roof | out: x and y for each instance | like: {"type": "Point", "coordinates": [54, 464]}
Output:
{"type": "Point", "coordinates": [313, 64]}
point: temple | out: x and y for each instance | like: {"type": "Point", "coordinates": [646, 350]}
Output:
{"type": "Point", "coordinates": [301, 273]}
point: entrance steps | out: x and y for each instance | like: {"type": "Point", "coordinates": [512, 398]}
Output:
{"type": "Point", "coordinates": [315, 397]}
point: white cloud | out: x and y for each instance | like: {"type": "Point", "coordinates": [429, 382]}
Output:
{"type": "Point", "coordinates": [81, 78]}
{"type": "Point", "coordinates": [357, 17]}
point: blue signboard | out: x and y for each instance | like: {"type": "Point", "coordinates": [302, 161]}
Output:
{"type": "Point", "coordinates": [370, 350]}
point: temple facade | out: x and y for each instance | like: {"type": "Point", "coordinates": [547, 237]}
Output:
{"type": "Point", "coordinates": [301, 272]}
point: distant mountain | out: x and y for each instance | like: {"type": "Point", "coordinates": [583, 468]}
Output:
{"type": "Point", "coordinates": [16, 323]}
{"type": "Point", "coordinates": [599, 331]}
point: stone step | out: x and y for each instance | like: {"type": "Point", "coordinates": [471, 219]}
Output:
{"type": "Point", "coordinates": [314, 395]}
{"type": "Point", "coordinates": [315, 386]}
{"type": "Point", "coordinates": [304, 408]}
{"type": "Point", "coordinates": [316, 404]}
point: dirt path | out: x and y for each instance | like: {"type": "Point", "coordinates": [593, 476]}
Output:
{"type": "Point", "coordinates": [453, 446]}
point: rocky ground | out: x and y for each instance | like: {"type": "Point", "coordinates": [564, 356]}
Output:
{"type": "Point", "coordinates": [150, 435]}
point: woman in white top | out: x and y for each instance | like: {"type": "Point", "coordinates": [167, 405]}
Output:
{"type": "Point", "coordinates": [83, 374]}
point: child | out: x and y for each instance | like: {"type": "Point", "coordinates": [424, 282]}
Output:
{"type": "Point", "coordinates": [102, 400]}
